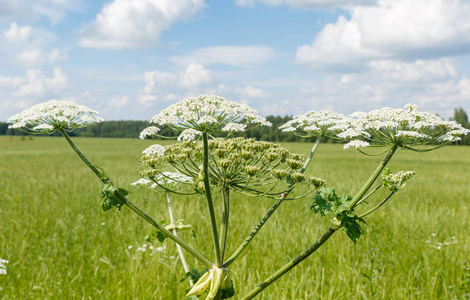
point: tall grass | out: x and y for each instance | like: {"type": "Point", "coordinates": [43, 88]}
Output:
{"type": "Point", "coordinates": [61, 245]}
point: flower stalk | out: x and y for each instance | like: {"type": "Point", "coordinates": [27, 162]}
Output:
{"type": "Point", "coordinates": [210, 205]}
{"type": "Point", "coordinates": [134, 208]}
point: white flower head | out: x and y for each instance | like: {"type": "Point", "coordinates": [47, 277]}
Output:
{"type": "Point", "coordinates": [149, 131]}
{"type": "Point", "coordinates": [54, 114]}
{"type": "Point", "coordinates": [404, 128]}
{"type": "Point", "coordinates": [317, 123]}
{"type": "Point", "coordinates": [188, 135]}
{"type": "Point", "coordinates": [155, 150]}
{"type": "Point", "coordinates": [356, 144]}
{"type": "Point", "coordinates": [207, 114]}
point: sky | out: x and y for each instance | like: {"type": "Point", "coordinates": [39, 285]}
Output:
{"type": "Point", "coordinates": [129, 59]}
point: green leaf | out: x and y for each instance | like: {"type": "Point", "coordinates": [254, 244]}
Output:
{"type": "Point", "coordinates": [194, 275]}
{"type": "Point", "coordinates": [323, 201]}
{"type": "Point", "coordinates": [156, 233]}
{"type": "Point", "coordinates": [352, 227]}
{"type": "Point", "coordinates": [227, 289]}
{"type": "Point", "coordinates": [110, 200]}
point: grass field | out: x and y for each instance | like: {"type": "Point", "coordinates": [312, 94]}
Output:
{"type": "Point", "coordinates": [61, 245]}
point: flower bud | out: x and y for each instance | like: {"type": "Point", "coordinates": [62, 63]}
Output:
{"type": "Point", "coordinates": [251, 170]}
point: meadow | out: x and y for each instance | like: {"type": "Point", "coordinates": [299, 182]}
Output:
{"type": "Point", "coordinates": [61, 245]}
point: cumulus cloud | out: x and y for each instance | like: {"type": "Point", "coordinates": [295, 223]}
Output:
{"type": "Point", "coordinates": [394, 29]}
{"type": "Point", "coordinates": [135, 24]}
{"type": "Point", "coordinates": [20, 92]}
{"type": "Point", "coordinates": [435, 85]}
{"type": "Point", "coordinates": [28, 46]}
{"type": "Point", "coordinates": [169, 86]}
{"type": "Point", "coordinates": [252, 92]}
{"type": "Point", "coordinates": [240, 56]}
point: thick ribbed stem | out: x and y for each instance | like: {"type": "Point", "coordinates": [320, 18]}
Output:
{"type": "Point", "coordinates": [225, 221]}
{"type": "Point", "coordinates": [210, 205]}
{"type": "Point", "coordinates": [373, 177]}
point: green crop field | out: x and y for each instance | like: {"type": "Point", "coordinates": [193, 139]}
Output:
{"type": "Point", "coordinates": [61, 245]}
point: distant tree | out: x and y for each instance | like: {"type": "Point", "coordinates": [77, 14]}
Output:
{"type": "Point", "coordinates": [460, 116]}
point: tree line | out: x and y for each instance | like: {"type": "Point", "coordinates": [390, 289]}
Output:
{"type": "Point", "coordinates": [132, 129]}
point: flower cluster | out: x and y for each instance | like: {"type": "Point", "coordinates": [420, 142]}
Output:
{"type": "Point", "coordinates": [395, 182]}
{"type": "Point", "coordinates": [205, 114]}
{"type": "Point", "coordinates": [317, 123]}
{"type": "Point", "coordinates": [3, 267]}
{"type": "Point", "coordinates": [165, 180]}
{"type": "Point", "coordinates": [404, 128]}
{"type": "Point", "coordinates": [239, 164]}
{"type": "Point", "coordinates": [54, 114]}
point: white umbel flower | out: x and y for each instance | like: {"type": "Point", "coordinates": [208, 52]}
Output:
{"type": "Point", "coordinates": [197, 115]}
{"type": "Point", "coordinates": [154, 150]}
{"type": "Point", "coordinates": [149, 131]}
{"type": "Point", "coordinates": [317, 123]}
{"type": "Point", "coordinates": [54, 114]}
{"type": "Point", "coordinates": [404, 128]}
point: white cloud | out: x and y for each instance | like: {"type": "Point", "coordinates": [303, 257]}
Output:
{"type": "Point", "coordinates": [240, 56]}
{"type": "Point", "coordinates": [168, 86]}
{"type": "Point", "coordinates": [252, 92]}
{"type": "Point", "coordinates": [35, 57]}
{"type": "Point", "coordinates": [27, 46]}
{"type": "Point", "coordinates": [195, 75]}
{"type": "Point", "coordinates": [394, 29]}
{"type": "Point", "coordinates": [33, 10]}
{"type": "Point", "coordinates": [435, 85]}
{"type": "Point", "coordinates": [118, 102]}
{"type": "Point", "coordinates": [307, 4]}
{"type": "Point", "coordinates": [135, 24]}
{"type": "Point", "coordinates": [21, 92]}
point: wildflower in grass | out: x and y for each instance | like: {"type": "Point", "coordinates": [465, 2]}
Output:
{"type": "Point", "coordinates": [204, 113]}
{"type": "Point", "coordinates": [3, 266]}
{"type": "Point", "coordinates": [404, 128]}
{"type": "Point", "coordinates": [54, 115]}
{"type": "Point", "coordinates": [317, 123]}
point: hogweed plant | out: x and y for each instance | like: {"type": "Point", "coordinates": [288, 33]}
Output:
{"type": "Point", "coordinates": [201, 166]}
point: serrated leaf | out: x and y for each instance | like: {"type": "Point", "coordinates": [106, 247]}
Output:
{"type": "Point", "coordinates": [352, 227]}
{"type": "Point", "coordinates": [324, 201]}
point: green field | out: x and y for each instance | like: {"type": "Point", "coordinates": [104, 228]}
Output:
{"type": "Point", "coordinates": [61, 245]}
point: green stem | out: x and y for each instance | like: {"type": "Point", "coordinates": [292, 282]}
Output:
{"type": "Point", "coordinates": [310, 156]}
{"type": "Point", "coordinates": [298, 259]}
{"type": "Point", "coordinates": [225, 220]}
{"type": "Point", "coordinates": [175, 232]}
{"type": "Point", "coordinates": [210, 205]}
{"type": "Point", "coordinates": [137, 210]}
{"type": "Point", "coordinates": [266, 217]}
{"type": "Point", "coordinates": [373, 177]}
{"type": "Point", "coordinates": [377, 206]}
{"type": "Point", "coordinates": [82, 156]}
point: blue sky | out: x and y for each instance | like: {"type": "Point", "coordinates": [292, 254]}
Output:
{"type": "Point", "coordinates": [129, 59]}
